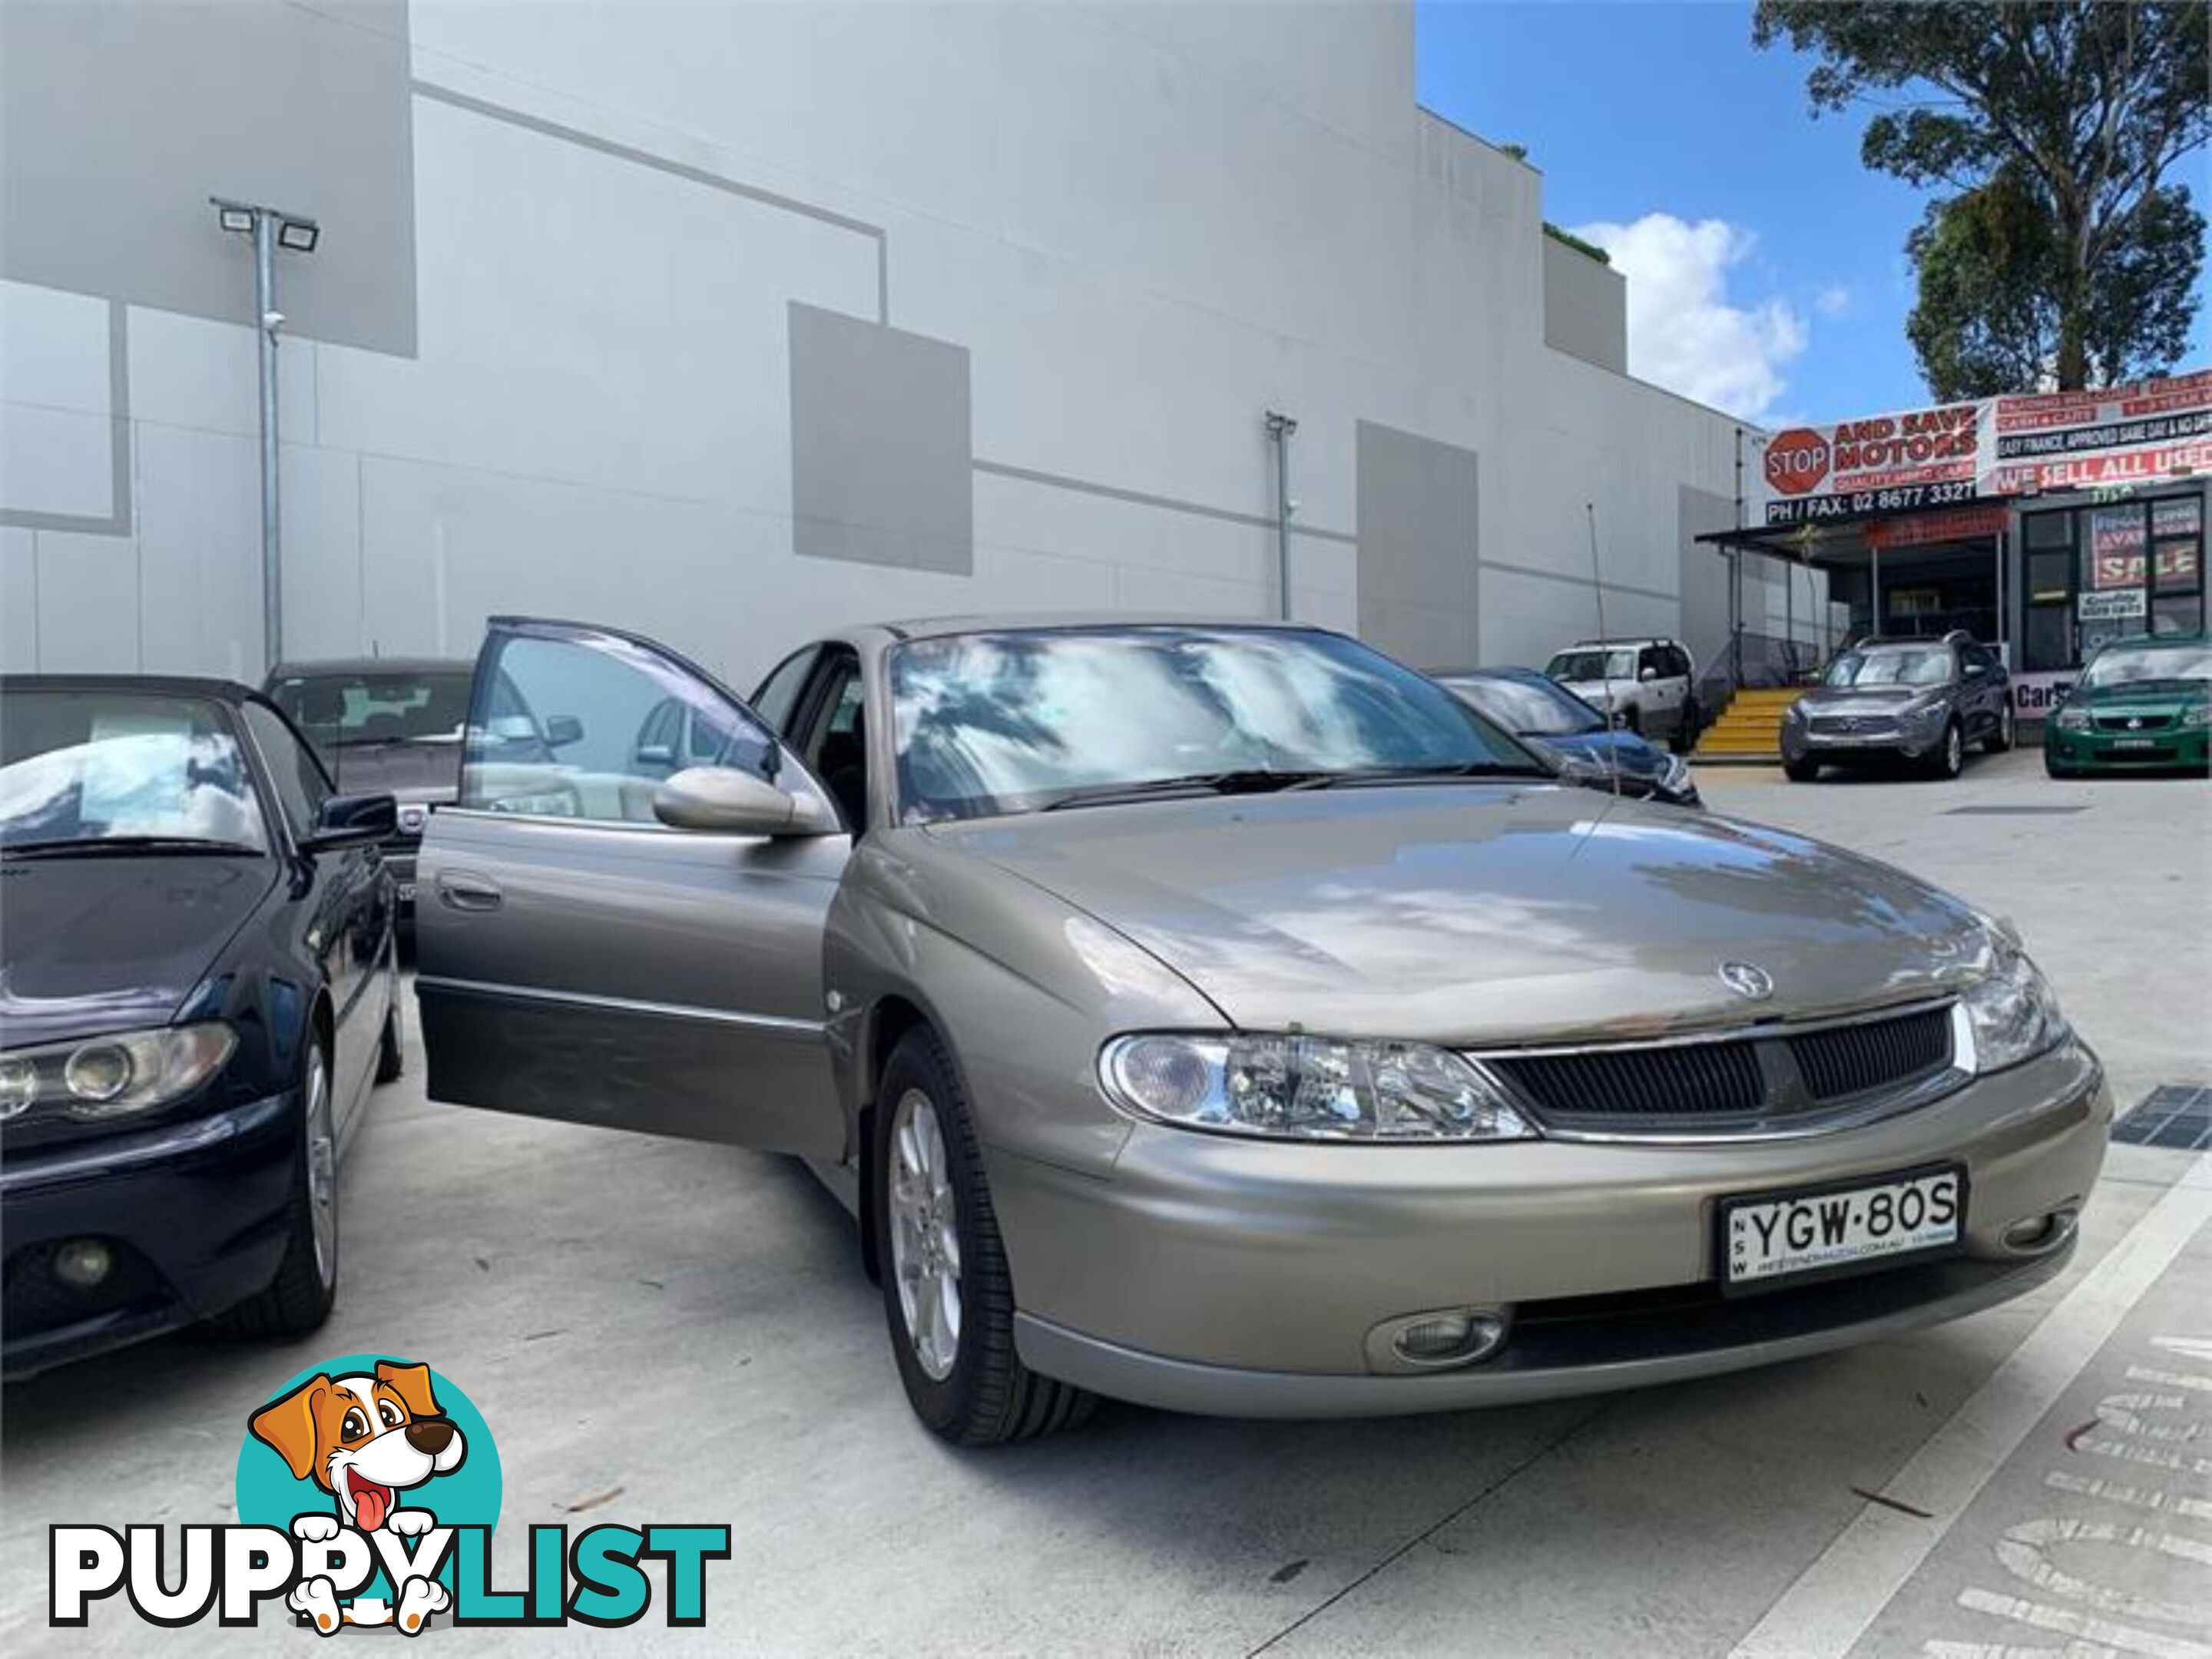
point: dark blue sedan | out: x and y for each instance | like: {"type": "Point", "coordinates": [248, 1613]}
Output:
{"type": "Point", "coordinates": [197, 988]}
{"type": "Point", "coordinates": [1535, 709]}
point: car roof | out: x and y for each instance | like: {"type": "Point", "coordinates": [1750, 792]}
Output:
{"type": "Point", "coordinates": [334, 666]}
{"type": "Point", "coordinates": [1621, 638]}
{"type": "Point", "coordinates": [172, 685]}
{"type": "Point", "coordinates": [1019, 622]}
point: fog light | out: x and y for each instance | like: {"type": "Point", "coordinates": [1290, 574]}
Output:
{"type": "Point", "coordinates": [82, 1263]}
{"type": "Point", "coordinates": [1447, 1336]}
{"type": "Point", "coordinates": [2036, 1235]}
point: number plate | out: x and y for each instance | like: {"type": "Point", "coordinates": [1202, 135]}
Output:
{"type": "Point", "coordinates": [2135, 743]}
{"type": "Point", "coordinates": [1836, 1229]}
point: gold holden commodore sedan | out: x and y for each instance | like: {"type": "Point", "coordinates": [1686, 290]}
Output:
{"type": "Point", "coordinates": [1225, 1017]}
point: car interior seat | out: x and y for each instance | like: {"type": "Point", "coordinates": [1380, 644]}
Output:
{"type": "Point", "coordinates": [843, 763]}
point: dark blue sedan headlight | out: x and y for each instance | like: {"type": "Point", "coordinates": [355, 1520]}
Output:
{"type": "Point", "coordinates": [104, 1077]}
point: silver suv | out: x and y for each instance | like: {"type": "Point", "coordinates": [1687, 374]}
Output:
{"type": "Point", "coordinates": [1647, 686]}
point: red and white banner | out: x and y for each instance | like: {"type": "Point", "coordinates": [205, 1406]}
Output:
{"type": "Point", "coordinates": [2095, 440]}
{"type": "Point", "coordinates": [1999, 446]}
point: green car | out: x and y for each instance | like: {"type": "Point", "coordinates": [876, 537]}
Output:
{"type": "Point", "coordinates": [2140, 706]}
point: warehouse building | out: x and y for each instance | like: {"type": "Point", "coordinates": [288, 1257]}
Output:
{"type": "Point", "coordinates": [731, 324]}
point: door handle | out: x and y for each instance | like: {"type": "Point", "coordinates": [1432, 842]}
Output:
{"type": "Point", "coordinates": [464, 889]}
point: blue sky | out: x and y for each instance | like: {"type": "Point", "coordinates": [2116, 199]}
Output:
{"type": "Point", "coordinates": [1777, 285]}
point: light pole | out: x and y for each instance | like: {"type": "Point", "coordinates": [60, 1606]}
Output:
{"type": "Point", "coordinates": [1279, 427]}
{"type": "Point", "coordinates": [270, 228]}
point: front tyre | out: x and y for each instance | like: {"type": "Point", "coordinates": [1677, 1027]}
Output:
{"type": "Point", "coordinates": [299, 1298]}
{"type": "Point", "coordinates": [1802, 771]}
{"type": "Point", "coordinates": [1950, 759]}
{"type": "Point", "coordinates": [2001, 737]}
{"type": "Point", "coordinates": [948, 1297]}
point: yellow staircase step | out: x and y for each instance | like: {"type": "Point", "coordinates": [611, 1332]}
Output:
{"type": "Point", "coordinates": [1747, 727]}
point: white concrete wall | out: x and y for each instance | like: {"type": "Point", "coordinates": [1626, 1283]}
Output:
{"type": "Point", "coordinates": [1145, 224]}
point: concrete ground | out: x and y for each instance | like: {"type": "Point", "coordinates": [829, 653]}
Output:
{"type": "Point", "coordinates": [686, 1327]}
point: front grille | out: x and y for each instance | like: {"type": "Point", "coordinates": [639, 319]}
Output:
{"type": "Point", "coordinates": [1730, 1085]}
{"type": "Point", "coordinates": [1696, 1079]}
{"type": "Point", "coordinates": [1854, 725]}
{"type": "Point", "coordinates": [2133, 722]}
{"type": "Point", "coordinates": [1851, 1060]}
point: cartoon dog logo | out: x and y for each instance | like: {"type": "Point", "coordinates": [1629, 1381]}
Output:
{"type": "Point", "coordinates": [365, 1439]}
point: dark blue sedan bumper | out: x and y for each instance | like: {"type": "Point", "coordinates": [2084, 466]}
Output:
{"type": "Point", "coordinates": [193, 1214]}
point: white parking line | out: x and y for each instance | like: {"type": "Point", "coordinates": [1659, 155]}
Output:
{"type": "Point", "coordinates": [1835, 1598]}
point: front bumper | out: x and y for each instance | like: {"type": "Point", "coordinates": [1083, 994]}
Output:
{"type": "Point", "coordinates": [2175, 748]}
{"type": "Point", "coordinates": [1840, 748]}
{"type": "Point", "coordinates": [194, 1213]}
{"type": "Point", "coordinates": [1245, 1276]}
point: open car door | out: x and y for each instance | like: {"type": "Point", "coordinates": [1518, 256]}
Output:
{"type": "Point", "coordinates": [580, 958]}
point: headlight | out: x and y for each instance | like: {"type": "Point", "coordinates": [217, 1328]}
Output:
{"type": "Point", "coordinates": [2012, 1014]}
{"type": "Point", "coordinates": [112, 1077]}
{"type": "Point", "coordinates": [2072, 720]}
{"type": "Point", "coordinates": [1306, 1088]}
{"type": "Point", "coordinates": [2197, 713]}
{"type": "Point", "coordinates": [1674, 776]}
{"type": "Point", "coordinates": [1795, 712]}
{"type": "Point", "coordinates": [1927, 712]}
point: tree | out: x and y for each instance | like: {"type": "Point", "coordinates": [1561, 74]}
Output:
{"type": "Point", "coordinates": [2063, 258]}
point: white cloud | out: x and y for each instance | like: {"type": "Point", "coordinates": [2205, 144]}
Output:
{"type": "Point", "coordinates": [1683, 332]}
{"type": "Point", "coordinates": [1832, 301]}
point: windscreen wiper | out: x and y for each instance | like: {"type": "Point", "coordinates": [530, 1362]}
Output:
{"type": "Point", "coordinates": [1451, 772]}
{"type": "Point", "coordinates": [74, 847]}
{"type": "Point", "coordinates": [1248, 781]}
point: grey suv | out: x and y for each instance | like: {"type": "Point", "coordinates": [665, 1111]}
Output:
{"type": "Point", "coordinates": [1921, 701]}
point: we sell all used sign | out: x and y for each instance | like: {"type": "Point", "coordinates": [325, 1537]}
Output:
{"type": "Point", "coordinates": [1995, 447]}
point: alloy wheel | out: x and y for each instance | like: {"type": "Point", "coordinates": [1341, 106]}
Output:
{"type": "Point", "coordinates": [1954, 752]}
{"type": "Point", "coordinates": [925, 1235]}
{"type": "Point", "coordinates": [322, 1170]}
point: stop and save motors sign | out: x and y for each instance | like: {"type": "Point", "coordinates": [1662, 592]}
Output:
{"type": "Point", "coordinates": [1882, 463]}
{"type": "Point", "coordinates": [1995, 447]}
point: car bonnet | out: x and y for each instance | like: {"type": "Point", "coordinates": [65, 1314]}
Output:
{"type": "Point", "coordinates": [1488, 912]}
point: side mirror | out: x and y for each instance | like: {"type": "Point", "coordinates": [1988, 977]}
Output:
{"type": "Point", "coordinates": [654, 754]}
{"type": "Point", "coordinates": [1647, 673]}
{"type": "Point", "coordinates": [724, 799]}
{"type": "Point", "coordinates": [561, 730]}
{"type": "Point", "coordinates": [352, 821]}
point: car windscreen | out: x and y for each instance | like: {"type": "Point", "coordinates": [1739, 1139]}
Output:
{"type": "Point", "coordinates": [1574, 667]}
{"type": "Point", "coordinates": [2146, 665]}
{"type": "Point", "coordinates": [1931, 666]}
{"type": "Point", "coordinates": [84, 767]}
{"type": "Point", "coordinates": [998, 723]}
{"type": "Point", "coordinates": [1529, 708]}
{"type": "Point", "coordinates": [354, 710]}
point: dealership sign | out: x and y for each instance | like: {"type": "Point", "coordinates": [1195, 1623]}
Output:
{"type": "Point", "coordinates": [1885, 464]}
{"type": "Point", "coordinates": [1995, 447]}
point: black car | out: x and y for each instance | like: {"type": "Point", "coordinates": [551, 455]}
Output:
{"type": "Point", "coordinates": [1918, 702]}
{"type": "Point", "coordinates": [198, 982]}
{"type": "Point", "coordinates": [385, 724]}
{"type": "Point", "coordinates": [1537, 709]}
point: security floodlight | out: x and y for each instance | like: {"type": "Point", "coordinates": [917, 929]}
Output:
{"type": "Point", "coordinates": [237, 219]}
{"type": "Point", "coordinates": [298, 235]}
